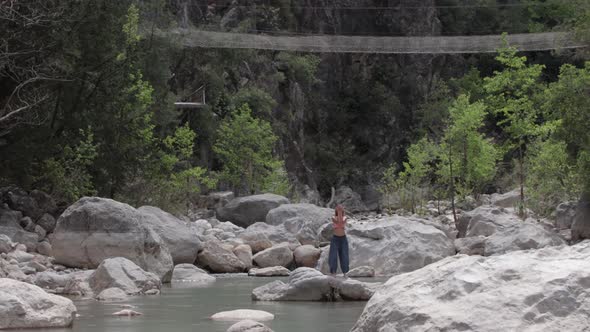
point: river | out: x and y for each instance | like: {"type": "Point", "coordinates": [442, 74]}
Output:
{"type": "Point", "coordinates": [181, 307]}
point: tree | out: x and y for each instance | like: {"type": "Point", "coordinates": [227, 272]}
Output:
{"type": "Point", "coordinates": [416, 173]}
{"type": "Point", "coordinates": [244, 146]}
{"type": "Point", "coordinates": [67, 177]}
{"type": "Point", "coordinates": [29, 50]}
{"type": "Point", "coordinates": [512, 95]}
{"type": "Point", "coordinates": [184, 179]}
{"type": "Point", "coordinates": [468, 158]}
{"type": "Point", "coordinates": [569, 99]}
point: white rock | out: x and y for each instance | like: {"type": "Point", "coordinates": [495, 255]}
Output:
{"type": "Point", "coordinates": [249, 326]}
{"type": "Point", "coordinates": [122, 273]}
{"type": "Point", "coordinates": [27, 306]}
{"type": "Point", "coordinates": [112, 294]}
{"type": "Point", "coordinates": [192, 274]}
{"type": "Point", "coordinates": [302, 220]}
{"type": "Point", "coordinates": [181, 242]}
{"type": "Point", "coordinates": [274, 271]}
{"type": "Point", "coordinates": [361, 272]}
{"type": "Point", "coordinates": [242, 314]}
{"type": "Point", "coordinates": [280, 255]}
{"type": "Point", "coordinates": [536, 290]}
{"type": "Point", "coordinates": [244, 253]}
{"type": "Point", "coordinates": [216, 258]}
{"type": "Point", "coordinates": [307, 256]}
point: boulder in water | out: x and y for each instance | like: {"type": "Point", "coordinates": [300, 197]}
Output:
{"type": "Point", "coordinates": [94, 229]}
{"type": "Point", "coordinates": [28, 306]}
{"type": "Point", "coordinates": [192, 274]}
{"type": "Point", "coordinates": [175, 233]}
{"type": "Point", "coordinates": [122, 273]}
{"type": "Point", "coordinates": [219, 259]}
{"type": "Point", "coordinates": [306, 284]}
{"type": "Point", "coordinates": [112, 294]}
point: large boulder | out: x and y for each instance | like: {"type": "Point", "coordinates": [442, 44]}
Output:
{"type": "Point", "coordinates": [112, 294]}
{"type": "Point", "coordinates": [474, 245]}
{"type": "Point", "coordinates": [280, 255]}
{"type": "Point", "coordinates": [307, 284]}
{"type": "Point", "coordinates": [122, 273]}
{"type": "Point", "coordinates": [302, 220]}
{"type": "Point", "coordinates": [276, 234]}
{"type": "Point", "coordinates": [485, 220]}
{"type": "Point", "coordinates": [350, 199]}
{"type": "Point", "coordinates": [219, 259]}
{"type": "Point", "coordinates": [181, 242]}
{"type": "Point", "coordinates": [394, 245]}
{"type": "Point", "coordinates": [51, 280]}
{"type": "Point", "coordinates": [192, 274]}
{"type": "Point", "coordinates": [307, 256]}
{"type": "Point", "coordinates": [522, 236]}
{"type": "Point", "coordinates": [244, 211]}
{"type": "Point", "coordinates": [47, 222]}
{"type": "Point", "coordinates": [27, 306]}
{"type": "Point", "coordinates": [502, 231]}
{"type": "Point", "coordinates": [10, 226]}
{"type": "Point", "coordinates": [258, 241]}
{"type": "Point", "coordinates": [565, 213]}
{"type": "Point", "coordinates": [510, 199]}
{"type": "Point", "coordinates": [94, 229]}
{"type": "Point", "coordinates": [244, 253]}
{"type": "Point", "coordinates": [536, 290]}
{"type": "Point", "coordinates": [215, 200]}
{"type": "Point", "coordinates": [581, 224]}
{"type": "Point", "coordinates": [19, 200]}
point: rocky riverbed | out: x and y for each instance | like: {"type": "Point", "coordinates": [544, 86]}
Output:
{"type": "Point", "coordinates": [104, 250]}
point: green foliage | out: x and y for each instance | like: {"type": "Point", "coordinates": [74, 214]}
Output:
{"type": "Point", "coordinates": [67, 178]}
{"type": "Point", "coordinates": [416, 174]}
{"type": "Point", "coordinates": [302, 68]}
{"type": "Point", "coordinates": [473, 157]}
{"type": "Point", "coordinates": [514, 95]}
{"type": "Point", "coordinates": [244, 146]}
{"type": "Point", "coordinates": [553, 177]}
{"type": "Point", "coordinates": [277, 182]}
{"type": "Point", "coordinates": [567, 101]}
{"type": "Point", "coordinates": [260, 102]}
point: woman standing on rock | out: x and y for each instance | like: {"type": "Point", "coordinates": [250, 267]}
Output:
{"type": "Point", "coordinates": [339, 243]}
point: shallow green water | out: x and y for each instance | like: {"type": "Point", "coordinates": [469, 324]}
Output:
{"type": "Point", "coordinates": [182, 308]}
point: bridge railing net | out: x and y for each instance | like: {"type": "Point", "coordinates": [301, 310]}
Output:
{"type": "Point", "coordinates": [376, 44]}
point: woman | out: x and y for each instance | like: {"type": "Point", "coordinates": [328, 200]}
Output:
{"type": "Point", "coordinates": [339, 243]}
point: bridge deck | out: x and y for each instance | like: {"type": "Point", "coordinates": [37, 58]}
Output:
{"type": "Point", "coordinates": [370, 44]}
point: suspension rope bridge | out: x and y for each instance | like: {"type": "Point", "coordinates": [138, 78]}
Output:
{"type": "Point", "coordinates": [543, 41]}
